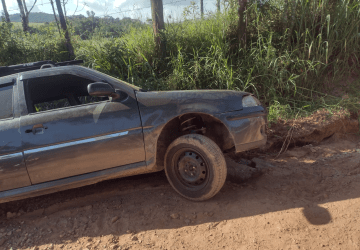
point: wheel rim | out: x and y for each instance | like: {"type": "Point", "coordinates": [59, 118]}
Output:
{"type": "Point", "coordinates": [191, 168]}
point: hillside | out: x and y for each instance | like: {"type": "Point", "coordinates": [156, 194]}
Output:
{"type": "Point", "coordinates": [36, 17]}
{"type": "Point", "coordinates": [41, 17]}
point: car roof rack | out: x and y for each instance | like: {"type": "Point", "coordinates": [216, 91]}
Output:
{"type": "Point", "coordinates": [8, 70]}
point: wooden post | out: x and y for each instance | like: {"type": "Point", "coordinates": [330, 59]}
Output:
{"type": "Point", "coordinates": [64, 27]}
{"type": "Point", "coordinates": [7, 17]}
{"type": "Point", "coordinates": [159, 27]}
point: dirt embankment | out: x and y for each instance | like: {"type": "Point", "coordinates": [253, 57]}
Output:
{"type": "Point", "coordinates": [309, 198]}
{"type": "Point", "coordinates": [311, 130]}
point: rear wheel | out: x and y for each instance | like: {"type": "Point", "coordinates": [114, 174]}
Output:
{"type": "Point", "coordinates": [195, 167]}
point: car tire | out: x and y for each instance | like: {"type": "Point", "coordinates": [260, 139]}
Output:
{"type": "Point", "coordinates": [195, 167]}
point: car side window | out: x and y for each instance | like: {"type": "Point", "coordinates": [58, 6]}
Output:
{"type": "Point", "coordinates": [59, 91]}
{"type": "Point", "coordinates": [6, 101]}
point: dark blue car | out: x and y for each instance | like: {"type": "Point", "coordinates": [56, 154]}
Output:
{"type": "Point", "coordinates": [64, 126]}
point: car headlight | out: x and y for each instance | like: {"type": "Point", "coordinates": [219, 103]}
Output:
{"type": "Point", "coordinates": [250, 101]}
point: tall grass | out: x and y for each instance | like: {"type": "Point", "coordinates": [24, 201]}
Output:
{"type": "Point", "coordinates": [17, 47]}
{"type": "Point", "coordinates": [293, 48]}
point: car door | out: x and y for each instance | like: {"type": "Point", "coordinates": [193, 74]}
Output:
{"type": "Point", "coordinates": [13, 172]}
{"type": "Point", "coordinates": [76, 139]}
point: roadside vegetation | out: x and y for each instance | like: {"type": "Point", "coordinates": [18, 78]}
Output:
{"type": "Point", "coordinates": [299, 56]}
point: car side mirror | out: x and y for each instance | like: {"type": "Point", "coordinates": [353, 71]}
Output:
{"type": "Point", "coordinates": [100, 89]}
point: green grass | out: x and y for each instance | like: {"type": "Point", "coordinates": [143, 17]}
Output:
{"type": "Point", "coordinates": [19, 24]}
{"type": "Point", "coordinates": [287, 63]}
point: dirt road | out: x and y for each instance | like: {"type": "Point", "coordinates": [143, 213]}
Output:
{"type": "Point", "coordinates": [310, 199]}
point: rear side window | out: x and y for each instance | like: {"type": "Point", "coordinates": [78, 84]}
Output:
{"type": "Point", "coordinates": [6, 101]}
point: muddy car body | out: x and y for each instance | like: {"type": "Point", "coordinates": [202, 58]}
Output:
{"type": "Point", "coordinates": [123, 131]}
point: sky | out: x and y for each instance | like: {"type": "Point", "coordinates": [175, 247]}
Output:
{"type": "Point", "coordinates": [139, 9]}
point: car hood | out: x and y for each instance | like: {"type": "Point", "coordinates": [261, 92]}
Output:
{"type": "Point", "coordinates": [210, 101]}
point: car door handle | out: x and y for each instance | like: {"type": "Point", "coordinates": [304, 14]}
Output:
{"type": "Point", "coordinates": [37, 129]}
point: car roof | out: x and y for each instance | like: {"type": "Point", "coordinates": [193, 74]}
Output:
{"type": "Point", "coordinates": [9, 70]}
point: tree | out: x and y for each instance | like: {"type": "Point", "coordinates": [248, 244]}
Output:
{"type": "Point", "coordinates": [202, 7]}
{"type": "Point", "coordinates": [64, 27]}
{"type": "Point", "coordinates": [7, 17]}
{"type": "Point", "coordinates": [242, 23]}
{"type": "Point", "coordinates": [64, 6]}
{"type": "Point", "coordinates": [56, 20]}
{"type": "Point", "coordinates": [218, 5]}
{"type": "Point", "coordinates": [159, 27]}
{"type": "Point", "coordinates": [25, 14]}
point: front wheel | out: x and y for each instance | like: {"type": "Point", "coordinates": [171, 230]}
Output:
{"type": "Point", "coordinates": [195, 167]}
